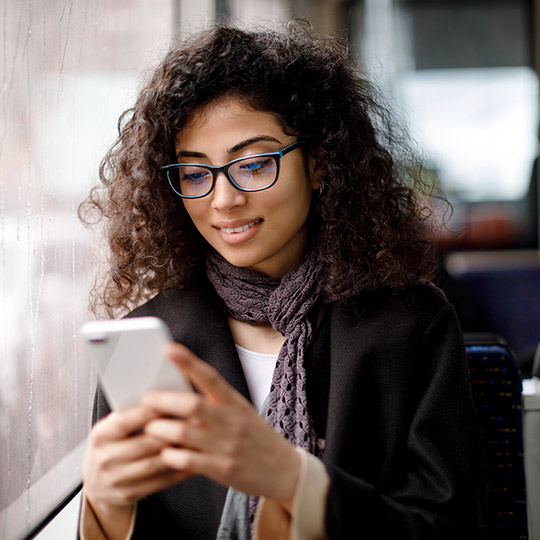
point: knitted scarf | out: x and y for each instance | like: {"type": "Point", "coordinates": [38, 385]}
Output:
{"type": "Point", "coordinates": [285, 303]}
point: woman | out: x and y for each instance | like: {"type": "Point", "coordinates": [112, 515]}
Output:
{"type": "Point", "coordinates": [255, 197]}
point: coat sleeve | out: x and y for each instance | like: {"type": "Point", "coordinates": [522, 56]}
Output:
{"type": "Point", "coordinates": [422, 481]}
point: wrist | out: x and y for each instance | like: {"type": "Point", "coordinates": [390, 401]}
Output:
{"type": "Point", "coordinates": [114, 521]}
{"type": "Point", "coordinates": [291, 477]}
{"type": "Point", "coordinates": [105, 508]}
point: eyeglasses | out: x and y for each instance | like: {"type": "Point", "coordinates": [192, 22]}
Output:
{"type": "Point", "coordinates": [251, 173]}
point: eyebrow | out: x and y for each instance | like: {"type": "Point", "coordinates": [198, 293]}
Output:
{"type": "Point", "coordinates": [232, 150]}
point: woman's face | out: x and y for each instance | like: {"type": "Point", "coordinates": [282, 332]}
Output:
{"type": "Point", "coordinates": [273, 235]}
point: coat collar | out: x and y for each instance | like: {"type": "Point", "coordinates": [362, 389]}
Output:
{"type": "Point", "coordinates": [197, 320]}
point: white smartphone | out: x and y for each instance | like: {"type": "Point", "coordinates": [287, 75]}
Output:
{"type": "Point", "coordinates": [130, 360]}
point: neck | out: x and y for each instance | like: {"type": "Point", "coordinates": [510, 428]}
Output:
{"type": "Point", "coordinates": [261, 338]}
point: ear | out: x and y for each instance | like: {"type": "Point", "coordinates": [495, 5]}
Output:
{"type": "Point", "coordinates": [316, 173]}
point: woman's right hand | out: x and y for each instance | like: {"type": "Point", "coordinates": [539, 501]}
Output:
{"type": "Point", "coordinates": [121, 466]}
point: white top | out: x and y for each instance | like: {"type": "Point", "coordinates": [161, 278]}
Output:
{"type": "Point", "coordinates": [258, 370]}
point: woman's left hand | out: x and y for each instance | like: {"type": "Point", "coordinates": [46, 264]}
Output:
{"type": "Point", "coordinates": [219, 434]}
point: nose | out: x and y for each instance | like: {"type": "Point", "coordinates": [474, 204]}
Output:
{"type": "Point", "coordinates": [225, 196]}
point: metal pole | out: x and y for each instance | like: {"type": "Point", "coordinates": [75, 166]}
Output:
{"type": "Point", "coordinates": [177, 20]}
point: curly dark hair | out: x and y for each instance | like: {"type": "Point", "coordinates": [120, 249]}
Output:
{"type": "Point", "coordinates": [371, 223]}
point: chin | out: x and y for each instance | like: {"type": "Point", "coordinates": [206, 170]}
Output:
{"type": "Point", "coordinates": [237, 259]}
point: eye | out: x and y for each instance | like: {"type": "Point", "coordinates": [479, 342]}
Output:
{"type": "Point", "coordinates": [256, 165]}
{"type": "Point", "coordinates": [197, 176]}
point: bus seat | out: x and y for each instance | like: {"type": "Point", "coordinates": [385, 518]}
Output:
{"type": "Point", "coordinates": [496, 388]}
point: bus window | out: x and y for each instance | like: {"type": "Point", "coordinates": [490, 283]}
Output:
{"type": "Point", "coordinates": [464, 76]}
{"type": "Point", "coordinates": [69, 69]}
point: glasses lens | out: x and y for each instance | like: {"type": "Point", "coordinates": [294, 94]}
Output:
{"type": "Point", "coordinates": [255, 172]}
{"type": "Point", "coordinates": [190, 180]}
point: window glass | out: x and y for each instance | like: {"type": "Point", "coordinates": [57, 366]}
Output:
{"type": "Point", "coordinates": [477, 127]}
{"type": "Point", "coordinates": [463, 73]}
{"type": "Point", "coordinates": [68, 70]}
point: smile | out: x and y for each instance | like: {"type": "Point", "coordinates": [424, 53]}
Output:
{"type": "Point", "coordinates": [228, 230]}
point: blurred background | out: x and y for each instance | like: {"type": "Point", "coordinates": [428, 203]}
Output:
{"type": "Point", "coordinates": [461, 74]}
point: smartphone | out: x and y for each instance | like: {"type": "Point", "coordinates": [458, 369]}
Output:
{"type": "Point", "coordinates": [130, 360]}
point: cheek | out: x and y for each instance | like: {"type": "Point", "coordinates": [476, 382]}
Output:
{"type": "Point", "coordinates": [198, 218]}
{"type": "Point", "coordinates": [193, 211]}
{"type": "Point", "coordinates": [294, 207]}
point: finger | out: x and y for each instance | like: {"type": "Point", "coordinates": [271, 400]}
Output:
{"type": "Point", "coordinates": [204, 376]}
{"type": "Point", "coordinates": [134, 448]}
{"type": "Point", "coordinates": [183, 434]}
{"type": "Point", "coordinates": [137, 490]}
{"type": "Point", "coordinates": [135, 471]}
{"type": "Point", "coordinates": [177, 404]}
{"type": "Point", "coordinates": [121, 424]}
{"type": "Point", "coordinates": [216, 467]}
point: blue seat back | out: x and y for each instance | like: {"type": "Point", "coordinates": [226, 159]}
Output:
{"type": "Point", "coordinates": [496, 387]}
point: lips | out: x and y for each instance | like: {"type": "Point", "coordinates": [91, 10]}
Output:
{"type": "Point", "coordinates": [239, 231]}
{"type": "Point", "coordinates": [240, 228]}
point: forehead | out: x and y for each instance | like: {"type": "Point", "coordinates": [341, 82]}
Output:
{"type": "Point", "coordinates": [226, 120]}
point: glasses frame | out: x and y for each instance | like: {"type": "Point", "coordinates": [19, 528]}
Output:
{"type": "Point", "coordinates": [225, 170]}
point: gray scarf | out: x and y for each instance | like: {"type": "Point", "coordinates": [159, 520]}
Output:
{"type": "Point", "coordinates": [285, 303]}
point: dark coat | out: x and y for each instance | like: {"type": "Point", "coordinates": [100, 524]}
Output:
{"type": "Point", "coordinates": [387, 387]}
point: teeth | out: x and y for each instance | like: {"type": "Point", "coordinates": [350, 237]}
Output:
{"type": "Point", "coordinates": [239, 229]}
